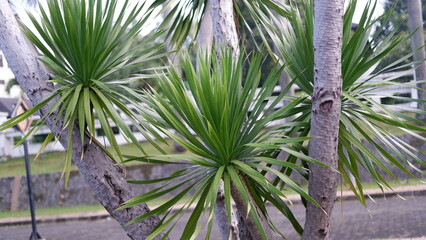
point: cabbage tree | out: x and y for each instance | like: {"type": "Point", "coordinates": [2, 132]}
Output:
{"type": "Point", "coordinates": [84, 45]}
{"type": "Point", "coordinates": [362, 119]}
{"type": "Point", "coordinates": [224, 121]}
{"type": "Point", "coordinates": [106, 179]}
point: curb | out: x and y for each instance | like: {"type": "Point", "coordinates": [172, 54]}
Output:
{"type": "Point", "coordinates": [66, 217]}
{"type": "Point", "coordinates": [410, 191]}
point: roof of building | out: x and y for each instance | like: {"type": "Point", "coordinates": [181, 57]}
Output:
{"type": "Point", "coordinates": [8, 105]}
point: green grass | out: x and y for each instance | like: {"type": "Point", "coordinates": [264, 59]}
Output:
{"type": "Point", "coordinates": [394, 183]}
{"type": "Point", "coordinates": [51, 211]}
{"type": "Point", "coordinates": [370, 185]}
{"type": "Point", "coordinates": [76, 209]}
{"type": "Point", "coordinates": [54, 161]}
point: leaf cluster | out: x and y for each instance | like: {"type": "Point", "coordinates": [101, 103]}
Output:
{"type": "Point", "coordinates": [183, 17]}
{"type": "Point", "coordinates": [363, 119]}
{"type": "Point", "coordinates": [224, 122]}
{"type": "Point", "coordinates": [85, 43]}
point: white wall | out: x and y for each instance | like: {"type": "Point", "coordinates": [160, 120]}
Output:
{"type": "Point", "coordinates": [3, 141]}
{"type": "Point", "coordinates": [6, 74]}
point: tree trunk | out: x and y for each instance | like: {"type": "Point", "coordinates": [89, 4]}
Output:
{"type": "Point", "coordinates": [205, 34]}
{"type": "Point", "coordinates": [326, 107]}
{"type": "Point", "coordinates": [415, 20]}
{"type": "Point", "coordinates": [224, 32]}
{"type": "Point", "coordinates": [105, 178]}
{"type": "Point", "coordinates": [249, 221]}
{"type": "Point", "coordinates": [224, 28]}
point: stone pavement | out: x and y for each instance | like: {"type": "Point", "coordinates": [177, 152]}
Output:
{"type": "Point", "coordinates": [392, 218]}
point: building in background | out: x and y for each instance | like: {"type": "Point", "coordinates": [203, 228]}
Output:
{"type": "Point", "coordinates": [5, 76]}
{"type": "Point", "coordinates": [8, 103]}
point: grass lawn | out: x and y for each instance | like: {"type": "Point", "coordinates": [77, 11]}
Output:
{"type": "Point", "coordinates": [54, 161]}
{"type": "Point", "coordinates": [76, 209]}
{"type": "Point", "coordinates": [51, 211]}
{"type": "Point", "coordinates": [370, 185]}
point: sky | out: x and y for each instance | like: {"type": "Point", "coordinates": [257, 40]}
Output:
{"type": "Point", "coordinates": [360, 7]}
{"type": "Point", "coordinates": [358, 12]}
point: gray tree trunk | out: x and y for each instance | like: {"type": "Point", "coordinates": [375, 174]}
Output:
{"type": "Point", "coordinates": [415, 20]}
{"type": "Point", "coordinates": [224, 32]}
{"type": "Point", "coordinates": [326, 107]}
{"type": "Point", "coordinates": [205, 34]}
{"type": "Point", "coordinates": [224, 28]}
{"type": "Point", "coordinates": [249, 221]}
{"type": "Point", "coordinates": [105, 178]}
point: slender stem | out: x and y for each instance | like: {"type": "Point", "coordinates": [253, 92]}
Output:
{"type": "Point", "coordinates": [34, 234]}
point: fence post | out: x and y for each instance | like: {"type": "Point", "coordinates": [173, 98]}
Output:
{"type": "Point", "coordinates": [3, 140]}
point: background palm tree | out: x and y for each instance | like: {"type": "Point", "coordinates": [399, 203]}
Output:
{"type": "Point", "coordinates": [231, 143]}
{"type": "Point", "coordinates": [12, 82]}
{"type": "Point", "coordinates": [358, 119]}
{"type": "Point", "coordinates": [105, 178]}
{"type": "Point", "coordinates": [359, 122]}
{"type": "Point", "coordinates": [415, 19]}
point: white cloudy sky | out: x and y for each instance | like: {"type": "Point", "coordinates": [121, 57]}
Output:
{"type": "Point", "coordinates": [360, 6]}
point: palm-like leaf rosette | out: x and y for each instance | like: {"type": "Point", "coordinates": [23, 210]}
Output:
{"type": "Point", "coordinates": [182, 18]}
{"type": "Point", "coordinates": [363, 119]}
{"type": "Point", "coordinates": [223, 121]}
{"type": "Point", "coordinates": [85, 45]}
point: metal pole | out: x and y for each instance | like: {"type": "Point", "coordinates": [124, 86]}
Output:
{"type": "Point", "coordinates": [34, 234]}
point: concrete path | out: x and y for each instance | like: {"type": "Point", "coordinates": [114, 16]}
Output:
{"type": "Point", "coordinates": [347, 195]}
{"type": "Point", "coordinates": [392, 218]}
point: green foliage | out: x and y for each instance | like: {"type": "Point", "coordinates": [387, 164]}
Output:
{"type": "Point", "coordinates": [399, 16]}
{"type": "Point", "coordinates": [232, 140]}
{"type": "Point", "coordinates": [362, 119]}
{"type": "Point", "coordinates": [49, 162]}
{"type": "Point", "coordinates": [84, 42]}
{"type": "Point", "coordinates": [184, 16]}
{"type": "Point", "coordinates": [398, 20]}
{"type": "Point", "coordinates": [12, 82]}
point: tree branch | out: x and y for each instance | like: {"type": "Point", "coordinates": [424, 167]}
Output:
{"type": "Point", "coordinates": [105, 178]}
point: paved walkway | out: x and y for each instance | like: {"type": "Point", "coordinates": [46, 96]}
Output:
{"type": "Point", "coordinates": [347, 195]}
{"type": "Point", "coordinates": [392, 218]}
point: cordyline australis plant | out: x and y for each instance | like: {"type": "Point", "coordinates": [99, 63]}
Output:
{"type": "Point", "coordinates": [223, 120]}
{"type": "Point", "coordinates": [184, 17]}
{"type": "Point", "coordinates": [85, 44]}
{"type": "Point", "coordinates": [362, 119]}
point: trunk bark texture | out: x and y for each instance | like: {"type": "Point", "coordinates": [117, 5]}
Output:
{"type": "Point", "coordinates": [224, 25]}
{"type": "Point", "coordinates": [105, 178]}
{"type": "Point", "coordinates": [326, 107]}
{"type": "Point", "coordinates": [415, 20]}
{"type": "Point", "coordinates": [224, 32]}
{"type": "Point", "coordinates": [222, 220]}
{"type": "Point", "coordinates": [205, 34]}
{"type": "Point", "coordinates": [251, 225]}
